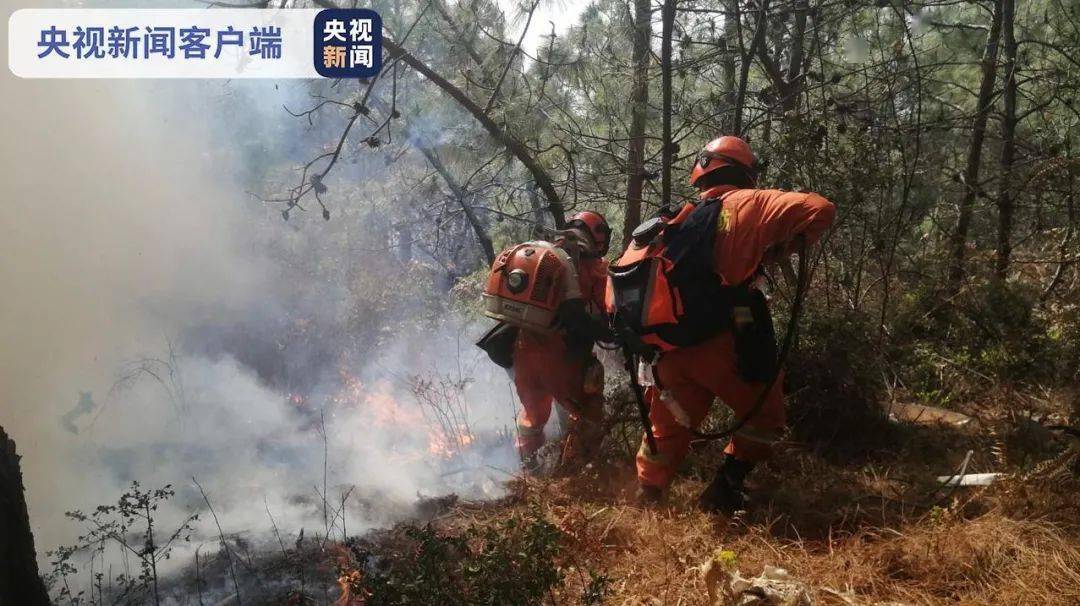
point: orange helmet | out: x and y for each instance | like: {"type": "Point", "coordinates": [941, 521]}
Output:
{"type": "Point", "coordinates": [721, 152]}
{"type": "Point", "coordinates": [596, 225]}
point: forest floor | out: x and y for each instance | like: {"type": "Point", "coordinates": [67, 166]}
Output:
{"type": "Point", "coordinates": [851, 531]}
{"type": "Point", "coordinates": [873, 528]}
{"type": "Point", "coordinates": [877, 531]}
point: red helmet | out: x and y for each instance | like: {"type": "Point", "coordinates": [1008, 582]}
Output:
{"type": "Point", "coordinates": [721, 152]}
{"type": "Point", "coordinates": [596, 225]}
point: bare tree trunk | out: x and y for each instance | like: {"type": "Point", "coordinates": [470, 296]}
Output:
{"type": "Point", "coordinates": [639, 102]}
{"type": "Point", "coordinates": [731, 35]}
{"type": "Point", "coordinates": [958, 242]}
{"type": "Point", "coordinates": [1063, 248]}
{"type": "Point", "coordinates": [1008, 137]}
{"type": "Point", "coordinates": [459, 192]}
{"type": "Point", "coordinates": [793, 81]}
{"type": "Point", "coordinates": [19, 580]}
{"type": "Point", "coordinates": [463, 201]}
{"type": "Point", "coordinates": [788, 84]}
{"type": "Point", "coordinates": [668, 19]}
{"type": "Point", "coordinates": [744, 68]}
{"type": "Point", "coordinates": [802, 9]}
{"type": "Point", "coordinates": [534, 204]}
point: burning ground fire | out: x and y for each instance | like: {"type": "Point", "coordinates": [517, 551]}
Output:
{"type": "Point", "coordinates": [446, 438]}
{"type": "Point", "coordinates": [446, 446]}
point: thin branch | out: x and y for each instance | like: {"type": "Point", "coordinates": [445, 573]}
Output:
{"type": "Point", "coordinates": [221, 537]}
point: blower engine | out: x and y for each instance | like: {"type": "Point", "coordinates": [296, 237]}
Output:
{"type": "Point", "coordinates": [527, 284]}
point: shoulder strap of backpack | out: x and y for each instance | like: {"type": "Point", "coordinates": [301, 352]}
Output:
{"type": "Point", "coordinates": [698, 225]}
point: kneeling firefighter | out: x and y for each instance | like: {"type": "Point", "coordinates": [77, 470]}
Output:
{"type": "Point", "coordinates": [686, 285]}
{"type": "Point", "coordinates": [549, 300]}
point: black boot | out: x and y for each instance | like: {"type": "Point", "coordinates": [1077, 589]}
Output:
{"type": "Point", "coordinates": [725, 493]}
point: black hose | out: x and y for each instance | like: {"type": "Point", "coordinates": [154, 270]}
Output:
{"type": "Point", "coordinates": [785, 348]}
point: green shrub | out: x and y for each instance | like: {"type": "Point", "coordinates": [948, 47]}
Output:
{"type": "Point", "coordinates": [510, 562]}
{"type": "Point", "coordinates": [833, 381]}
{"type": "Point", "coordinates": [992, 334]}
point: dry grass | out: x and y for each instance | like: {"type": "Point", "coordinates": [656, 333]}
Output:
{"type": "Point", "coordinates": [1000, 546]}
{"type": "Point", "coordinates": [876, 525]}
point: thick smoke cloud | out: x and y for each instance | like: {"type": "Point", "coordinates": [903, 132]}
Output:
{"type": "Point", "coordinates": [128, 230]}
{"type": "Point", "coordinates": [114, 237]}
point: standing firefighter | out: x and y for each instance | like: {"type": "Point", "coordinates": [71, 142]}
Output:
{"type": "Point", "coordinates": [686, 286]}
{"type": "Point", "coordinates": [549, 297]}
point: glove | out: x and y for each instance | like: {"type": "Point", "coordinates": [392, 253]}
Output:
{"type": "Point", "coordinates": [580, 330]}
{"type": "Point", "coordinates": [572, 317]}
{"type": "Point", "coordinates": [633, 343]}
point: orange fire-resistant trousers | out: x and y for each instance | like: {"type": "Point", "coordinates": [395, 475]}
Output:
{"type": "Point", "coordinates": [544, 370]}
{"type": "Point", "coordinates": [691, 378]}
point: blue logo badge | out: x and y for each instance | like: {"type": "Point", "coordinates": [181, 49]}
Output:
{"type": "Point", "coordinates": [348, 43]}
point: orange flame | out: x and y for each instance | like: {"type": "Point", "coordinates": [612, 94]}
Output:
{"type": "Point", "coordinates": [351, 594]}
{"type": "Point", "coordinates": [381, 408]}
{"type": "Point", "coordinates": [376, 400]}
{"type": "Point", "coordinates": [448, 446]}
{"type": "Point", "coordinates": [350, 579]}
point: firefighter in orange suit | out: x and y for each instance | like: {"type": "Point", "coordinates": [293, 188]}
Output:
{"type": "Point", "coordinates": [749, 228]}
{"type": "Point", "coordinates": [559, 365]}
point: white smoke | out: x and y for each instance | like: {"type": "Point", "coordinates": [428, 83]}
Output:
{"type": "Point", "coordinates": [128, 229]}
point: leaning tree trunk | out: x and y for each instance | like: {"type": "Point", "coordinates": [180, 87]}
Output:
{"type": "Point", "coordinates": [463, 200]}
{"type": "Point", "coordinates": [512, 144]}
{"type": "Point", "coordinates": [978, 134]}
{"type": "Point", "coordinates": [462, 197]}
{"type": "Point", "coordinates": [19, 581]}
{"type": "Point", "coordinates": [639, 105]}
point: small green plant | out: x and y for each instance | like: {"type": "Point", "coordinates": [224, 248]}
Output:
{"type": "Point", "coordinates": [938, 515]}
{"type": "Point", "coordinates": [511, 562]}
{"type": "Point", "coordinates": [596, 590]}
{"type": "Point", "coordinates": [129, 525]}
{"type": "Point", "coordinates": [726, 558]}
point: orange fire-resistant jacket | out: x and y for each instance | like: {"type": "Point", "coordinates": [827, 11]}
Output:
{"type": "Point", "coordinates": [545, 371]}
{"type": "Point", "coordinates": [755, 222]}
